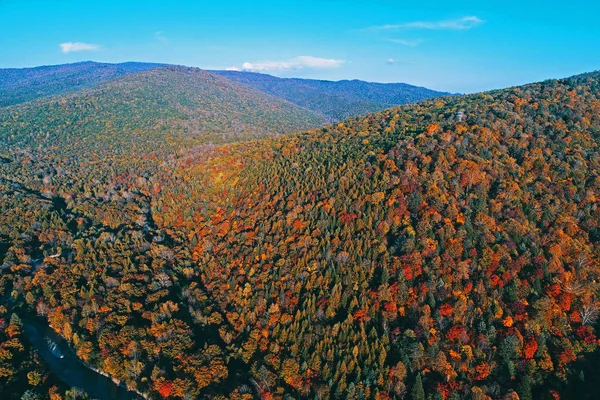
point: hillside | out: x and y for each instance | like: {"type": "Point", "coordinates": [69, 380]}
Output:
{"type": "Point", "coordinates": [76, 145]}
{"type": "Point", "coordinates": [407, 249]}
{"type": "Point", "coordinates": [335, 100]}
{"type": "Point", "coordinates": [410, 253]}
{"type": "Point", "coordinates": [19, 85]}
{"type": "Point", "coordinates": [190, 103]}
{"type": "Point", "coordinates": [81, 168]}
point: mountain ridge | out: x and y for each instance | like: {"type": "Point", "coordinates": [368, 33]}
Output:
{"type": "Point", "coordinates": [336, 100]}
{"type": "Point", "coordinates": [190, 96]}
{"type": "Point", "coordinates": [19, 85]}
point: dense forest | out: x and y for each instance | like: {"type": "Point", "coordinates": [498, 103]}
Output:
{"type": "Point", "coordinates": [336, 101]}
{"type": "Point", "coordinates": [19, 85]}
{"type": "Point", "coordinates": [331, 101]}
{"type": "Point", "coordinates": [442, 250]}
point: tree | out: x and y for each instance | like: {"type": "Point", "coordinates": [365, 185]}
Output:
{"type": "Point", "coordinates": [524, 389]}
{"type": "Point", "coordinates": [417, 392]}
{"type": "Point", "coordinates": [34, 378]}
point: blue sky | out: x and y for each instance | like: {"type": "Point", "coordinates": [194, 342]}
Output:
{"type": "Point", "coordinates": [464, 46]}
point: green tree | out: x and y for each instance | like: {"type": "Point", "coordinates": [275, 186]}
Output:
{"type": "Point", "coordinates": [524, 389]}
{"type": "Point", "coordinates": [418, 393]}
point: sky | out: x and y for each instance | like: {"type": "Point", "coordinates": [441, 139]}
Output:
{"type": "Point", "coordinates": [457, 46]}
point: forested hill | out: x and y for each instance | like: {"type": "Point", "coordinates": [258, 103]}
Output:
{"type": "Point", "coordinates": [446, 249]}
{"type": "Point", "coordinates": [335, 100]}
{"type": "Point", "coordinates": [81, 169]}
{"type": "Point", "coordinates": [18, 85]}
{"type": "Point", "coordinates": [409, 251]}
{"type": "Point", "coordinates": [188, 103]}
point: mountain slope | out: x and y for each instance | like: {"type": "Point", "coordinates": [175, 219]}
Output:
{"type": "Point", "coordinates": [335, 100]}
{"type": "Point", "coordinates": [77, 174]}
{"type": "Point", "coordinates": [408, 247]}
{"type": "Point", "coordinates": [19, 85]}
{"type": "Point", "coordinates": [133, 126]}
{"type": "Point", "coordinates": [451, 245]}
{"type": "Point", "coordinates": [166, 102]}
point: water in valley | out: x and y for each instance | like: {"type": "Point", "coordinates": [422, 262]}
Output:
{"type": "Point", "coordinates": [61, 360]}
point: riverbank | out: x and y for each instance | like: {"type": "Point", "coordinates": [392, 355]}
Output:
{"type": "Point", "coordinates": [70, 369]}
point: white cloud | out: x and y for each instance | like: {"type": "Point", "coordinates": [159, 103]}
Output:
{"type": "Point", "coordinates": [316, 62]}
{"type": "Point", "coordinates": [393, 61]}
{"type": "Point", "coordinates": [160, 37]}
{"type": "Point", "coordinates": [463, 23]}
{"type": "Point", "coordinates": [300, 62]}
{"type": "Point", "coordinates": [405, 42]}
{"type": "Point", "coordinates": [70, 47]}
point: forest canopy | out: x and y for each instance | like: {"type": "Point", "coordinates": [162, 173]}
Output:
{"type": "Point", "coordinates": [445, 249]}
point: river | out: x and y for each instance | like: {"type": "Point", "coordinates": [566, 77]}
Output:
{"type": "Point", "coordinates": [69, 369]}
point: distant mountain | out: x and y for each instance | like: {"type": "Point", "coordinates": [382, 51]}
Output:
{"type": "Point", "coordinates": [335, 100]}
{"type": "Point", "coordinates": [152, 106]}
{"type": "Point", "coordinates": [18, 85]}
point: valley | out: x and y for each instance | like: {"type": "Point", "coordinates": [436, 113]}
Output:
{"type": "Point", "coordinates": [195, 237]}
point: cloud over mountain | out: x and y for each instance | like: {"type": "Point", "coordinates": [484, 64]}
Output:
{"type": "Point", "coordinates": [300, 62]}
{"type": "Point", "coordinates": [71, 47]}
